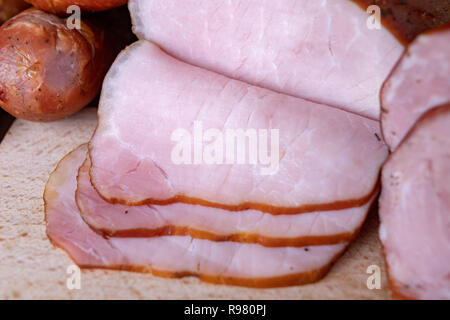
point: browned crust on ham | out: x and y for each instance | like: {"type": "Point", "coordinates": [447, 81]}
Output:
{"type": "Point", "coordinates": [396, 289]}
{"type": "Point", "coordinates": [243, 237]}
{"type": "Point", "coordinates": [266, 208]}
{"type": "Point", "coordinates": [237, 237]}
{"type": "Point", "coordinates": [261, 283]}
{"type": "Point", "coordinates": [47, 193]}
{"type": "Point", "coordinates": [273, 282]}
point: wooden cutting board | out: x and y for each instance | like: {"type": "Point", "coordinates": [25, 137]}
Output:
{"type": "Point", "coordinates": [31, 268]}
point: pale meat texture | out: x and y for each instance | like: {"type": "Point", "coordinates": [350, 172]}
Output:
{"type": "Point", "coordinates": [320, 50]}
{"type": "Point", "coordinates": [328, 158]}
{"type": "Point", "coordinates": [415, 210]}
{"type": "Point", "coordinates": [220, 262]}
{"type": "Point", "coordinates": [328, 227]}
{"type": "Point", "coordinates": [419, 82]}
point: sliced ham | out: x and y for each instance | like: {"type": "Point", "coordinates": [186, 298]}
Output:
{"type": "Point", "coordinates": [415, 210]}
{"type": "Point", "coordinates": [328, 159]}
{"type": "Point", "coordinates": [248, 226]}
{"type": "Point", "coordinates": [219, 262]}
{"type": "Point", "coordinates": [419, 82]}
{"type": "Point", "coordinates": [318, 50]}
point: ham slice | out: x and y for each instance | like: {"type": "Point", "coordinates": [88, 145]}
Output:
{"type": "Point", "coordinates": [218, 262]}
{"type": "Point", "coordinates": [419, 82]}
{"type": "Point", "coordinates": [248, 226]}
{"type": "Point", "coordinates": [319, 50]}
{"type": "Point", "coordinates": [415, 210]}
{"type": "Point", "coordinates": [327, 159]}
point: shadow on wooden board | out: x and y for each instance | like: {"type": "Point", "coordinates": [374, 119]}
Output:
{"type": "Point", "coordinates": [5, 122]}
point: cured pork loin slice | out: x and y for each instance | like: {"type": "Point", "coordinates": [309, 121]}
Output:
{"type": "Point", "coordinates": [419, 82]}
{"type": "Point", "coordinates": [323, 158]}
{"type": "Point", "coordinates": [415, 210]}
{"type": "Point", "coordinates": [318, 50]}
{"type": "Point", "coordinates": [218, 262]}
{"type": "Point", "coordinates": [248, 226]}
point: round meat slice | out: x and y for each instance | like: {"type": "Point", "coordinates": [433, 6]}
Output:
{"type": "Point", "coordinates": [415, 210]}
{"type": "Point", "coordinates": [419, 82]}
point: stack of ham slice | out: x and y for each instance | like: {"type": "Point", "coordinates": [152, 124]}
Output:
{"type": "Point", "coordinates": [314, 204]}
{"type": "Point", "coordinates": [174, 256]}
{"type": "Point", "coordinates": [415, 200]}
{"type": "Point", "coordinates": [251, 226]}
{"type": "Point", "coordinates": [123, 202]}
{"type": "Point", "coordinates": [328, 159]}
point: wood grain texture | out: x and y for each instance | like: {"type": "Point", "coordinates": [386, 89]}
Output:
{"type": "Point", "coordinates": [31, 268]}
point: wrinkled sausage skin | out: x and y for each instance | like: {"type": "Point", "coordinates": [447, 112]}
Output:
{"type": "Point", "coordinates": [48, 71]}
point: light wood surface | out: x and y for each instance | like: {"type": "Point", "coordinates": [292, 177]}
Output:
{"type": "Point", "coordinates": [30, 267]}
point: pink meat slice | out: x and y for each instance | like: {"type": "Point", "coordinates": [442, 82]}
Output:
{"type": "Point", "coordinates": [419, 82]}
{"type": "Point", "coordinates": [251, 226]}
{"type": "Point", "coordinates": [328, 159]}
{"type": "Point", "coordinates": [219, 262]}
{"type": "Point", "coordinates": [415, 210]}
{"type": "Point", "coordinates": [319, 50]}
